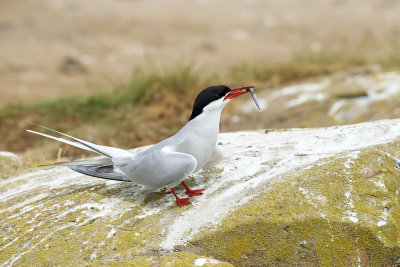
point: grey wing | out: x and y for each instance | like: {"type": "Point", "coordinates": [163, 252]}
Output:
{"type": "Point", "coordinates": [104, 172]}
{"type": "Point", "coordinates": [156, 168]}
{"type": "Point", "coordinates": [85, 162]}
{"type": "Point", "coordinates": [100, 168]}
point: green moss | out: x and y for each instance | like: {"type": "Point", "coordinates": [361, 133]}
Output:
{"type": "Point", "coordinates": [137, 261]}
{"type": "Point", "coordinates": [64, 229]}
{"type": "Point", "coordinates": [46, 233]}
{"type": "Point", "coordinates": [343, 212]}
{"type": "Point", "coordinates": [308, 218]}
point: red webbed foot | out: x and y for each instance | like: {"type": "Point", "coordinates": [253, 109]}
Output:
{"type": "Point", "coordinates": [180, 201]}
{"type": "Point", "coordinates": [191, 192]}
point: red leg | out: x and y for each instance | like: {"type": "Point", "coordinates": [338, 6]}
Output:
{"type": "Point", "coordinates": [191, 192]}
{"type": "Point", "coordinates": [181, 201]}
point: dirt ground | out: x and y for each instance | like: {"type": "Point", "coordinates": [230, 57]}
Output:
{"type": "Point", "coordinates": [54, 48]}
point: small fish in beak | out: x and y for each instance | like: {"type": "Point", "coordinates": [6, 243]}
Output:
{"type": "Point", "coordinates": [253, 94]}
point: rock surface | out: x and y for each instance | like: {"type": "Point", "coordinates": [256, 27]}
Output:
{"type": "Point", "coordinates": [312, 197]}
{"type": "Point", "coordinates": [9, 160]}
{"type": "Point", "coordinates": [337, 99]}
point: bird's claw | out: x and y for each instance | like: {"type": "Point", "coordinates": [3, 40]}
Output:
{"type": "Point", "coordinates": [182, 202]}
{"type": "Point", "coordinates": [193, 193]}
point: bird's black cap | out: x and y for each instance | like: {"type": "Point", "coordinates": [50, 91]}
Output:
{"type": "Point", "coordinates": [207, 96]}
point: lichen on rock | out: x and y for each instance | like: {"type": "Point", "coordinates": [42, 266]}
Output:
{"type": "Point", "coordinates": [328, 215]}
{"type": "Point", "coordinates": [9, 160]}
{"type": "Point", "coordinates": [310, 197]}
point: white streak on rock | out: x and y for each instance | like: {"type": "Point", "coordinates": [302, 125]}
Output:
{"type": "Point", "coordinates": [111, 233]}
{"type": "Point", "coordinates": [277, 150]}
{"type": "Point", "coordinates": [306, 92]}
{"type": "Point", "coordinates": [381, 223]}
{"type": "Point", "coordinates": [202, 261]}
{"type": "Point", "coordinates": [304, 98]}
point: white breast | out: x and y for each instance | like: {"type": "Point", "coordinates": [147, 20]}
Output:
{"type": "Point", "coordinates": [199, 137]}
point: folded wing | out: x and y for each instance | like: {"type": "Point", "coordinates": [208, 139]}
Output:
{"type": "Point", "coordinates": [156, 168]}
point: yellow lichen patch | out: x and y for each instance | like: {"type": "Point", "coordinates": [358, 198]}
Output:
{"type": "Point", "coordinates": [344, 211]}
{"type": "Point", "coordinates": [85, 221]}
{"type": "Point", "coordinates": [71, 225]}
{"type": "Point", "coordinates": [136, 261]}
{"type": "Point", "coordinates": [338, 210]}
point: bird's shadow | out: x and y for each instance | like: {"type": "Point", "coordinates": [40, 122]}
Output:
{"type": "Point", "coordinates": [130, 192]}
{"type": "Point", "coordinates": [135, 195]}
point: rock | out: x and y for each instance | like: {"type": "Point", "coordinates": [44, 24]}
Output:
{"type": "Point", "coordinates": [9, 160]}
{"type": "Point", "coordinates": [335, 205]}
{"type": "Point", "coordinates": [74, 64]}
{"type": "Point", "coordinates": [367, 172]}
{"type": "Point", "coordinates": [332, 100]}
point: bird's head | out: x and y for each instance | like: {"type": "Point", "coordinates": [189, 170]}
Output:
{"type": "Point", "coordinates": [215, 98]}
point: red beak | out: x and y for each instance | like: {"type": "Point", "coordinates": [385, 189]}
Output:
{"type": "Point", "coordinates": [237, 91]}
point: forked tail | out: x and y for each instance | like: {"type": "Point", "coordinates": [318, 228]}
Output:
{"type": "Point", "coordinates": [100, 168]}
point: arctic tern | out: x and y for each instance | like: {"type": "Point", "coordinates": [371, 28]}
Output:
{"type": "Point", "coordinates": [168, 163]}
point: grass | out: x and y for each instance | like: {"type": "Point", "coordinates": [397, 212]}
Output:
{"type": "Point", "coordinates": [140, 89]}
{"type": "Point", "coordinates": [300, 67]}
{"type": "Point", "coordinates": [145, 86]}
{"type": "Point", "coordinates": [127, 117]}
{"type": "Point", "coordinates": [391, 53]}
{"type": "Point", "coordinates": [11, 110]}
{"type": "Point", "coordinates": [308, 65]}
{"type": "Point", "coordinates": [154, 104]}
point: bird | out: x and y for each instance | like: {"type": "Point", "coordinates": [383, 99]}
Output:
{"type": "Point", "coordinates": [169, 162]}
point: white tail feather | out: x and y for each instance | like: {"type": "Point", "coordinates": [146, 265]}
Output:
{"type": "Point", "coordinates": [115, 153]}
{"type": "Point", "coordinates": [75, 144]}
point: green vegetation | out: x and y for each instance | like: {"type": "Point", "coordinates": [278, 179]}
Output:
{"type": "Point", "coordinates": [391, 53]}
{"type": "Point", "coordinates": [306, 65]}
{"type": "Point", "coordinates": [145, 85]}
{"type": "Point", "coordinates": [130, 109]}
{"type": "Point", "coordinates": [139, 107]}
{"type": "Point", "coordinates": [300, 67]}
{"type": "Point", "coordinates": [11, 110]}
{"type": "Point", "coordinates": [142, 87]}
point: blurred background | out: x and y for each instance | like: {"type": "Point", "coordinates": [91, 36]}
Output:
{"type": "Point", "coordinates": [125, 72]}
